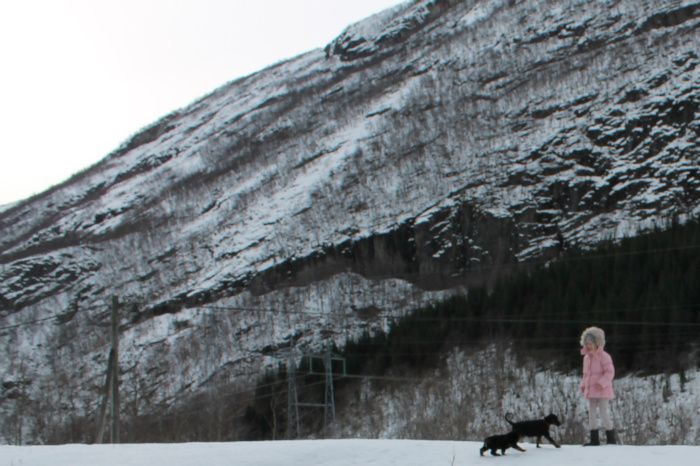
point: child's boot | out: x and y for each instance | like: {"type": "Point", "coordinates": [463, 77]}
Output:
{"type": "Point", "coordinates": [611, 437]}
{"type": "Point", "coordinates": [595, 440]}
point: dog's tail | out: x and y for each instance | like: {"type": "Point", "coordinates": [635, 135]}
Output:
{"type": "Point", "coordinates": [507, 416]}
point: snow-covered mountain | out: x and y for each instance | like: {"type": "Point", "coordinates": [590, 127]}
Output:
{"type": "Point", "coordinates": [419, 153]}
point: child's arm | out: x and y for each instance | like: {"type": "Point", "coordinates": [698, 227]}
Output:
{"type": "Point", "coordinates": [608, 371]}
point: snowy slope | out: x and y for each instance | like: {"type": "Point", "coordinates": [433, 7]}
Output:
{"type": "Point", "coordinates": [329, 194]}
{"type": "Point", "coordinates": [339, 453]}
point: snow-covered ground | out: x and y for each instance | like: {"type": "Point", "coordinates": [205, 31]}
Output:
{"type": "Point", "coordinates": [338, 453]}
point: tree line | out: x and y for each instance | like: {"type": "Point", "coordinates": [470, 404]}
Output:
{"type": "Point", "coordinates": [642, 290]}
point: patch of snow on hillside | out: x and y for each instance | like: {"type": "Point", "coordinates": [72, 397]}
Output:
{"type": "Point", "coordinates": [8, 206]}
{"type": "Point", "coordinates": [479, 13]}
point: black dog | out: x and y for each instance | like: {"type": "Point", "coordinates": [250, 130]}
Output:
{"type": "Point", "coordinates": [500, 442]}
{"type": "Point", "coordinates": [538, 428]}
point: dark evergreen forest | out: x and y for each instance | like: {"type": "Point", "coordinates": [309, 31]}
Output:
{"type": "Point", "coordinates": [643, 291]}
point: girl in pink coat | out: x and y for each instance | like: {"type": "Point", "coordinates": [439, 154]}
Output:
{"type": "Point", "coordinates": [596, 384]}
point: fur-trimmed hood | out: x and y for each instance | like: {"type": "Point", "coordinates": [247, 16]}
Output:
{"type": "Point", "coordinates": [597, 334]}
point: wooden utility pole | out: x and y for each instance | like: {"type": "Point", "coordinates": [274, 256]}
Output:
{"type": "Point", "coordinates": [115, 369]}
{"type": "Point", "coordinates": [292, 399]}
{"type": "Point", "coordinates": [111, 390]}
{"type": "Point", "coordinates": [105, 399]}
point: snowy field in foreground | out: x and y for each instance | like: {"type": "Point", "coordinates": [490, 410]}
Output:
{"type": "Point", "coordinates": [338, 453]}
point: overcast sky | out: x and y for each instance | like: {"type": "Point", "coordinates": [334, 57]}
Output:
{"type": "Point", "coordinates": [80, 76]}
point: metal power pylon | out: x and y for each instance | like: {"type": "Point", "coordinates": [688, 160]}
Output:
{"type": "Point", "coordinates": [328, 404]}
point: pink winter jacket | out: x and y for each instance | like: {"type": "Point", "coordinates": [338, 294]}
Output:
{"type": "Point", "coordinates": [598, 373]}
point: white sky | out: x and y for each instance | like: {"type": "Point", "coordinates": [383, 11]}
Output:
{"type": "Point", "coordinates": [78, 77]}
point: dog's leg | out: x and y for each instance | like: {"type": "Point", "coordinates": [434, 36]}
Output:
{"type": "Point", "coordinates": [551, 440]}
{"type": "Point", "coordinates": [539, 437]}
{"type": "Point", "coordinates": [517, 447]}
{"type": "Point", "coordinates": [494, 452]}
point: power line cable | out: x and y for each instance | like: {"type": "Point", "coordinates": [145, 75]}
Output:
{"type": "Point", "coordinates": [541, 317]}
{"type": "Point", "coordinates": [528, 264]}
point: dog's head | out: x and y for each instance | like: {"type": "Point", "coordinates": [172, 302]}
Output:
{"type": "Point", "coordinates": [552, 419]}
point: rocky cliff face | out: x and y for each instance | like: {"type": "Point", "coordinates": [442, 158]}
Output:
{"type": "Point", "coordinates": [426, 149]}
